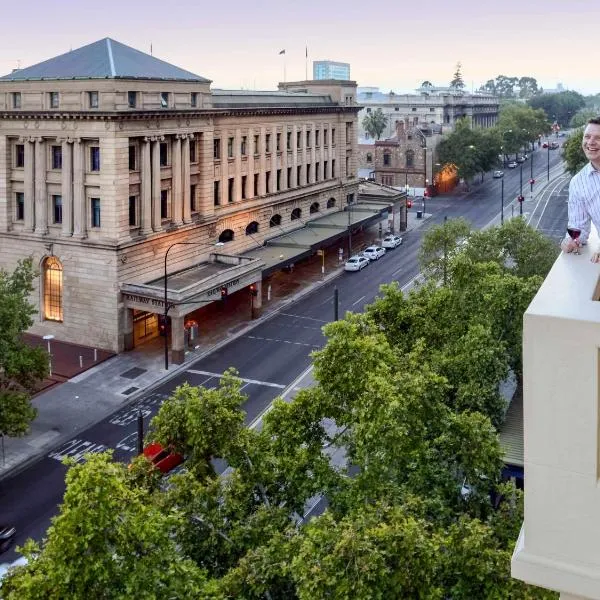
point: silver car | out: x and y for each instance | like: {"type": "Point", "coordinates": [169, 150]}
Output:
{"type": "Point", "coordinates": [391, 241]}
{"type": "Point", "coordinates": [374, 252]}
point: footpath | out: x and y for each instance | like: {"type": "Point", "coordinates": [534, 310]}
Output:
{"type": "Point", "coordinates": [68, 408]}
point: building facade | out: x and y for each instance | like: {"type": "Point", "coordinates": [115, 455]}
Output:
{"type": "Point", "coordinates": [109, 157]}
{"type": "Point", "coordinates": [329, 69]}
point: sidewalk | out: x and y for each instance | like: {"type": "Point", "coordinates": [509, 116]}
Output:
{"type": "Point", "coordinates": [89, 397]}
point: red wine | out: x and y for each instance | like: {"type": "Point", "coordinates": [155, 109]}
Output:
{"type": "Point", "coordinates": [574, 233]}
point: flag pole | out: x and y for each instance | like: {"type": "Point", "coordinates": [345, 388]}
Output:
{"type": "Point", "coordinates": [306, 65]}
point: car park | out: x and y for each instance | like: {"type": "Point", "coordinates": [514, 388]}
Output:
{"type": "Point", "coordinates": [497, 174]}
{"type": "Point", "coordinates": [512, 165]}
{"type": "Point", "coordinates": [391, 241]}
{"type": "Point", "coordinates": [356, 263]}
{"type": "Point", "coordinates": [373, 252]}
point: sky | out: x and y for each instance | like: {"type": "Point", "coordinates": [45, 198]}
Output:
{"type": "Point", "coordinates": [391, 44]}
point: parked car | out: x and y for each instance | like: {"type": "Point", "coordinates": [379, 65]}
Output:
{"type": "Point", "coordinates": [554, 145]}
{"type": "Point", "coordinates": [391, 241]}
{"type": "Point", "coordinates": [162, 458]}
{"type": "Point", "coordinates": [521, 159]}
{"type": "Point", "coordinates": [356, 263]}
{"type": "Point", "coordinates": [512, 164]}
{"type": "Point", "coordinates": [7, 537]}
{"type": "Point", "coordinates": [545, 145]}
{"type": "Point", "coordinates": [374, 252]}
{"type": "Point", "coordinates": [497, 174]}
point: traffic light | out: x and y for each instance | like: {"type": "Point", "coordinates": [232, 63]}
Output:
{"type": "Point", "coordinates": [224, 293]}
{"type": "Point", "coordinates": [253, 290]}
{"type": "Point", "coordinates": [409, 203]}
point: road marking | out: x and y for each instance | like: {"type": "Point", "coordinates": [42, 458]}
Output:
{"type": "Point", "coordinates": [77, 449]}
{"type": "Point", "coordinates": [128, 415]}
{"type": "Point", "coordinates": [410, 283]}
{"type": "Point", "coordinates": [301, 317]}
{"type": "Point", "coordinates": [361, 298]}
{"type": "Point", "coordinates": [262, 339]}
{"type": "Point", "coordinates": [255, 381]}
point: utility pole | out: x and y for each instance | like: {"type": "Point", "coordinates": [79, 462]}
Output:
{"type": "Point", "coordinates": [336, 301]}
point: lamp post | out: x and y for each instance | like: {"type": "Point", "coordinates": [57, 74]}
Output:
{"type": "Point", "coordinates": [349, 227]}
{"type": "Point", "coordinates": [48, 339]}
{"type": "Point", "coordinates": [548, 150]}
{"type": "Point", "coordinates": [502, 201]}
{"type": "Point", "coordinates": [425, 195]}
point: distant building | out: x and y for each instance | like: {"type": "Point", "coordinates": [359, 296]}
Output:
{"type": "Point", "coordinates": [328, 69]}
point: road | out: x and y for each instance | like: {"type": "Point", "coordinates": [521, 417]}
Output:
{"type": "Point", "coordinates": [274, 353]}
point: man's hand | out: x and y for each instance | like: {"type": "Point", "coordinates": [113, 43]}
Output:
{"type": "Point", "coordinates": [596, 257]}
{"type": "Point", "coordinates": [568, 244]}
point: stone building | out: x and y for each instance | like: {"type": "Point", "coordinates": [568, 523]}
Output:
{"type": "Point", "coordinates": [109, 156]}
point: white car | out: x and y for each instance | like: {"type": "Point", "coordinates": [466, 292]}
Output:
{"type": "Point", "coordinates": [512, 164]}
{"type": "Point", "coordinates": [498, 174]}
{"type": "Point", "coordinates": [374, 252]}
{"type": "Point", "coordinates": [356, 263]}
{"type": "Point", "coordinates": [391, 241]}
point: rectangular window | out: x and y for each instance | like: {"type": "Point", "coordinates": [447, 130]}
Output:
{"type": "Point", "coordinates": [164, 99]}
{"type": "Point", "coordinates": [95, 212]}
{"type": "Point", "coordinates": [93, 99]}
{"type": "Point", "coordinates": [132, 157]}
{"type": "Point", "coordinates": [53, 99]}
{"type": "Point", "coordinates": [16, 99]}
{"type": "Point", "coordinates": [164, 204]}
{"type": "Point", "coordinates": [244, 181]}
{"type": "Point", "coordinates": [217, 193]}
{"type": "Point", "coordinates": [56, 157]}
{"type": "Point", "coordinates": [217, 149]}
{"type": "Point", "coordinates": [317, 136]}
{"type": "Point", "coordinates": [194, 99]}
{"type": "Point", "coordinates": [268, 182]}
{"type": "Point", "coordinates": [278, 182]}
{"type": "Point", "coordinates": [256, 145]}
{"type": "Point", "coordinates": [230, 147]}
{"type": "Point", "coordinates": [348, 173]}
{"type": "Point", "coordinates": [19, 156]}
{"type": "Point", "coordinates": [308, 138]}
{"type": "Point", "coordinates": [432, 110]}
{"type": "Point", "coordinates": [193, 151]}
{"type": "Point", "coordinates": [289, 177]}
{"type": "Point", "coordinates": [132, 211]}
{"type": "Point", "coordinates": [132, 99]}
{"type": "Point", "coordinates": [413, 109]}
{"type": "Point", "coordinates": [308, 173]}
{"type": "Point", "coordinates": [230, 189]}
{"type": "Point", "coordinates": [20, 206]}
{"type": "Point", "coordinates": [256, 184]}
{"type": "Point", "coordinates": [164, 154]}
{"type": "Point", "coordinates": [325, 165]}
{"type": "Point", "coordinates": [268, 142]}
{"type": "Point", "coordinates": [278, 142]}
{"type": "Point", "coordinates": [299, 175]}
{"type": "Point", "coordinates": [94, 158]}
{"type": "Point", "coordinates": [243, 146]}
{"type": "Point", "coordinates": [193, 197]}
{"type": "Point", "coordinates": [298, 140]}
{"type": "Point", "coordinates": [333, 173]}
{"type": "Point", "coordinates": [317, 169]}
{"type": "Point", "coordinates": [326, 137]}
{"type": "Point", "coordinates": [348, 132]}
{"type": "Point", "coordinates": [333, 136]}
{"type": "Point", "coordinates": [289, 140]}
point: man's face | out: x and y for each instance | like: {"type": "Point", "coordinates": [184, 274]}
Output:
{"type": "Point", "coordinates": [591, 143]}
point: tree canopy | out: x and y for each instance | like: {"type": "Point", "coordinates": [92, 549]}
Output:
{"type": "Point", "coordinates": [457, 79]}
{"type": "Point", "coordinates": [572, 152]}
{"type": "Point", "coordinates": [375, 123]}
{"type": "Point", "coordinates": [559, 108]}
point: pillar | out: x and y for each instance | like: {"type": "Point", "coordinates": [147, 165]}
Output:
{"type": "Point", "coordinates": [41, 201]}
{"type": "Point", "coordinates": [257, 300]}
{"type": "Point", "coordinates": [146, 188]}
{"type": "Point", "coordinates": [127, 327]}
{"type": "Point", "coordinates": [177, 340]}
{"type": "Point", "coordinates": [67, 187]}
{"type": "Point", "coordinates": [187, 207]}
{"type": "Point", "coordinates": [177, 212]}
{"type": "Point", "coordinates": [79, 212]}
{"type": "Point", "coordinates": [156, 216]}
{"type": "Point", "coordinates": [29, 188]}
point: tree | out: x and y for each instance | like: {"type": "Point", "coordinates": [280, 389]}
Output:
{"type": "Point", "coordinates": [518, 126]}
{"type": "Point", "coordinates": [427, 84]}
{"type": "Point", "coordinates": [528, 87]}
{"type": "Point", "coordinates": [375, 123]}
{"type": "Point", "coordinates": [21, 367]}
{"type": "Point", "coordinates": [505, 86]}
{"type": "Point", "coordinates": [457, 79]}
{"type": "Point", "coordinates": [581, 118]}
{"type": "Point", "coordinates": [489, 86]}
{"type": "Point", "coordinates": [559, 107]}
{"type": "Point", "coordinates": [573, 152]}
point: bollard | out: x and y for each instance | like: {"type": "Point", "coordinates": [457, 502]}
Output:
{"type": "Point", "coordinates": [80, 361]}
{"type": "Point", "coordinates": [269, 293]}
{"type": "Point", "coordinates": [95, 355]}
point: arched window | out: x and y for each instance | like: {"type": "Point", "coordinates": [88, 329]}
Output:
{"type": "Point", "coordinates": [331, 203]}
{"type": "Point", "coordinates": [387, 159]}
{"type": "Point", "coordinates": [226, 236]}
{"type": "Point", "coordinates": [369, 157]}
{"type": "Point", "coordinates": [53, 289]}
{"type": "Point", "coordinates": [410, 158]}
{"type": "Point", "coordinates": [275, 221]}
{"type": "Point", "coordinates": [314, 208]}
{"type": "Point", "coordinates": [252, 228]}
{"type": "Point", "coordinates": [296, 214]}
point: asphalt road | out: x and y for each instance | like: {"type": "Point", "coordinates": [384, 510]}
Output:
{"type": "Point", "coordinates": [273, 354]}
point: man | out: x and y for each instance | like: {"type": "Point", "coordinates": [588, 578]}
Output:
{"type": "Point", "coordinates": [584, 191]}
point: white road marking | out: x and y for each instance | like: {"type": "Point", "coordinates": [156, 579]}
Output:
{"type": "Point", "coordinates": [255, 381]}
{"type": "Point", "coordinates": [361, 298]}
{"type": "Point", "coordinates": [256, 337]}
{"type": "Point", "coordinates": [301, 317]}
{"type": "Point", "coordinates": [77, 449]}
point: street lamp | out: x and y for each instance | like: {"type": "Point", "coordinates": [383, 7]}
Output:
{"type": "Point", "coordinates": [502, 201]}
{"type": "Point", "coordinates": [48, 338]}
{"type": "Point", "coordinates": [548, 150]}
{"type": "Point", "coordinates": [425, 194]}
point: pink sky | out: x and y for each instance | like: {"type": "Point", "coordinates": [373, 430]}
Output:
{"type": "Point", "coordinates": [392, 44]}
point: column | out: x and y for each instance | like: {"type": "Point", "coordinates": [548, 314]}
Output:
{"type": "Point", "coordinates": [177, 340]}
{"type": "Point", "coordinates": [127, 325]}
{"type": "Point", "coordinates": [146, 188]}
{"type": "Point", "coordinates": [225, 135]}
{"type": "Point", "coordinates": [79, 212]}
{"type": "Point", "coordinates": [262, 178]}
{"type": "Point", "coordinates": [187, 206]}
{"type": "Point", "coordinates": [313, 153]}
{"type": "Point", "coordinates": [294, 182]}
{"type": "Point", "coordinates": [257, 300]}
{"type": "Point", "coordinates": [176, 199]}
{"type": "Point", "coordinates": [156, 215]}
{"type": "Point", "coordinates": [41, 201]}
{"type": "Point", "coordinates": [29, 189]}
{"type": "Point", "coordinates": [67, 187]}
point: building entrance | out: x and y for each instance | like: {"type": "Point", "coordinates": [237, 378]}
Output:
{"type": "Point", "coordinates": [145, 326]}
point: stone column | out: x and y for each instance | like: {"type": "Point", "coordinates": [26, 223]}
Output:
{"type": "Point", "coordinates": [177, 211]}
{"type": "Point", "coordinates": [294, 181]}
{"type": "Point", "coordinates": [257, 300]}
{"type": "Point", "coordinates": [146, 188]}
{"type": "Point", "coordinates": [187, 209]}
{"type": "Point", "coordinates": [127, 325]}
{"type": "Point", "coordinates": [29, 190]}
{"type": "Point", "coordinates": [79, 212]}
{"type": "Point", "coordinates": [177, 340]}
{"type": "Point", "coordinates": [41, 201]}
{"type": "Point", "coordinates": [67, 187]}
{"type": "Point", "coordinates": [156, 216]}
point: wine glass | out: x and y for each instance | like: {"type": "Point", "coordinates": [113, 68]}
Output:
{"type": "Point", "coordinates": [574, 234]}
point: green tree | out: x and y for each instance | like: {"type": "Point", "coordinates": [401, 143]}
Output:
{"type": "Point", "coordinates": [457, 79]}
{"type": "Point", "coordinates": [505, 86]}
{"type": "Point", "coordinates": [518, 126]}
{"type": "Point", "coordinates": [21, 367]}
{"type": "Point", "coordinates": [581, 118]}
{"type": "Point", "coordinates": [528, 87]}
{"type": "Point", "coordinates": [559, 107]}
{"type": "Point", "coordinates": [573, 152]}
{"type": "Point", "coordinates": [375, 123]}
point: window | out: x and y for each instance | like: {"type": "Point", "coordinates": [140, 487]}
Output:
{"type": "Point", "coordinates": [299, 175]}
{"type": "Point", "coordinates": [194, 99]}
{"type": "Point", "coordinates": [278, 181]}
{"type": "Point", "coordinates": [368, 111]}
{"type": "Point", "coordinates": [164, 99]}
{"type": "Point", "coordinates": [349, 132]}
{"type": "Point", "coordinates": [132, 99]}
{"type": "Point", "coordinates": [333, 174]}
{"type": "Point", "coordinates": [256, 145]}
{"type": "Point", "coordinates": [244, 183]}
{"type": "Point", "coordinates": [269, 186]}
{"type": "Point", "coordinates": [326, 137]}
{"type": "Point", "coordinates": [243, 146]}
{"type": "Point", "coordinates": [56, 157]}
{"type": "Point", "coordinates": [53, 287]}
{"type": "Point", "coordinates": [230, 189]}
{"type": "Point", "coordinates": [56, 209]}
{"type": "Point", "coordinates": [164, 204]}
{"type": "Point", "coordinates": [308, 138]}
{"type": "Point", "coordinates": [410, 159]}
{"type": "Point", "coordinates": [252, 228]}
{"type": "Point", "coordinates": [333, 136]}
{"type": "Point", "coordinates": [387, 159]}
{"type": "Point", "coordinates": [164, 154]}
{"type": "Point", "coordinates": [132, 158]}
{"type": "Point", "coordinates": [193, 197]}
{"type": "Point", "coordinates": [217, 193]}
{"type": "Point", "coordinates": [20, 206]}
{"type": "Point", "coordinates": [314, 208]}
{"type": "Point", "coordinates": [192, 151]}
{"type": "Point", "coordinates": [217, 149]}
{"type": "Point", "coordinates": [397, 108]}
{"type": "Point", "coordinates": [275, 221]}
{"type": "Point", "coordinates": [256, 184]}
{"type": "Point", "coordinates": [413, 109]}
{"type": "Point", "coordinates": [348, 171]}
{"type": "Point", "coordinates": [93, 99]}
{"type": "Point", "coordinates": [226, 236]}
{"type": "Point", "coordinates": [289, 177]}
{"type": "Point", "coordinates": [230, 147]}
{"type": "Point", "coordinates": [317, 138]}
{"type": "Point", "coordinates": [268, 142]}
{"type": "Point", "coordinates": [289, 140]}
{"type": "Point", "coordinates": [331, 203]}
{"type": "Point", "coordinates": [53, 99]}
{"type": "Point", "coordinates": [432, 109]}
{"type": "Point", "coordinates": [16, 99]}
{"type": "Point", "coordinates": [94, 158]}
{"type": "Point", "coordinates": [308, 173]}
{"type": "Point", "coordinates": [132, 211]}
{"type": "Point", "coordinates": [19, 156]}
{"type": "Point", "coordinates": [298, 140]}
{"type": "Point", "coordinates": [278, 142]}
{"type": "Point", "coordinates": [317, 171]}
{"type": "Point", "coordinates": [95, 212]}
{"type": "Point", "coordinates": [325, 165]}
{"type": "Point", "coordinates": [296, 214]}
{"type": "Point", "coordinates": [369, 157]}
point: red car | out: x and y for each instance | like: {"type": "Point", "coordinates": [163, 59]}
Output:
{"type": "Point", "coordinates": [544, 145]}
{"type": "Point", "coordinates": [163, 459]}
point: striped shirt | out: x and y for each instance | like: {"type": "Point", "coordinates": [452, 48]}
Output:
{"type": "Point", "coordinates": [584, 201]}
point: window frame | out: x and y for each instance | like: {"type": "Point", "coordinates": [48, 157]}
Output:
{"type": "Point", "coordinates": [19, 206]}
{"type": "Point", "coordinates": [194, 99]}
{"type": "Point", "coordinates": [135, 212]}
{"type": "Point", "coordinates": [19, 154]}
{"type": "Point", "coordinates": [57, 209]}
{"type": "Point", "coordinates": [94, 159]}
{"type": "Point", "coordinates": [53, 100]}
{"type": "Point", "coordinates": [133, 154]}
{"type": "Point", "coordinates": [216, 148]}
{"type": "Point", "coordinates": [52, 293]}
{"type": "Point", "coordinates": [56, 157]}
{"type": "Point", "coordinates": [16, 100]}
{"type": "Point", "coordinates": [164, 100]}
{"type": "Point", "coordinates": [93, 98]}
{"type": "Point", "coordinates": [132, 95]}
{"type": "Point", "coordinates": [164, 203]}
{"type": "Point", "coordinates": [163, 154]}
{"type": "Point", "coordinates": [217, 192]}
{"type": "Point", "coordinates": [95, 213]}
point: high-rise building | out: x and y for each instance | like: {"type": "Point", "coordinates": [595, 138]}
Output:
{"type": "Point", "coordinates": [329, 69]}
